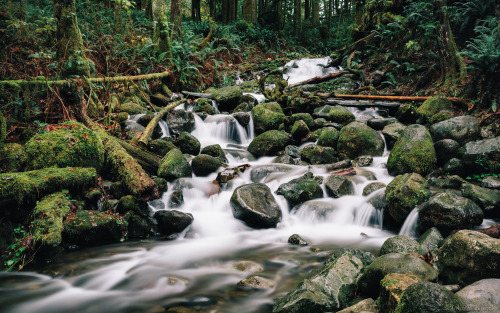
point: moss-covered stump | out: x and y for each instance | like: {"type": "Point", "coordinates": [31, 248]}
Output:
{"type": "Point", "coordinates": [300, 190]}
{"type": "Point", "coordinates": [413, 152]}
{"type": "Point", "coordinates": [391, 133]}
{"type": "Point", "coordinates": [204, 164]}
{"type": "Point", "coordinates": [132, 108]}
{"type": "Point", "coordinates": [338, 186]}
{"type": "Point", "coordinates": [461, 129]}
{"type": "Point", "coordinates": [328, 137]}
{"type": "Point", "coordinates": [427, 297]}
{"type": "Point", "coordinates": [174, 165]}
{"type": "Point", "coordinates": [401, 244]}
{"type": "Point", "coordinates": [392, 288]}
{"type": "Point", "coordinates": [68, 144]}
{"type": "Point", "coordinates": [468, 256]}
{"type": "Point", "coordinates": [188, 143]}
{"type": "Point", "coordinates": [404, 193]}
{"type": "Point", "coordinates": [267, 116]}
{"type": "Point", "coordinates": [432, 106]}
{"type": "Point", "coordinates": [89, 228]}
{"type": "Point", "coordinates": [269, 143]}
{"type": "Point", "coordinates": [448, 212]}
{"type": "Point", "coordinates": [48, 215]}
{"type": "Point", "coordinates": [357, 139]}
{"type": "Point", "coordinates": [12, 157]}
{"type": "Point", "coordinates": [26, 187]}
{"type": "Point", "coordinates": [314, 154]}
{"type": "Point", "coordinates": [341, 115]}
{"type": "Point", "coordinates": [227, 98]}
{"type": "Point", "coordinates": [215, 151]}
{"type": "Point", "coordinates": [299, 130]}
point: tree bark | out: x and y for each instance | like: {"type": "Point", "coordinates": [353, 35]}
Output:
{"type": "Point", "coordinates": [307, 9]}
{"type": "Point", "coordinates": [196, 10]}
{"type": "Point", "coordinates": [175, 15]}
{"type": "Point", "coordinates": [315, 12]}
{"type": "Point", "coordinates": [297, 18]}
{"type": "Point", "coordinates": [250, 10]}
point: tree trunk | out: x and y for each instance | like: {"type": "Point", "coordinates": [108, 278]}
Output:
{"type": "Point", "coordinates": [213, 8]}
{"type": "Point", "coordinates": [231, 11]}
{"type": "Point", "coordinates": [196, 10]}
{"type": "Point", "coordinates": [307, 9]}
{"type": "Point", "coordinates": [70, 51]}
{"type": "Point", "coordinates": [250, 10]}
{"type": "Point", "coordinates": [162, 34]}
{"type": "Point", "coordinates": [315, 12]}
{"type": "Point", "coordinates": [175, 15]}
{"type": "Point", "coordinates": [497, 15]}
{"type": "Point", "coordinates": [297, 18]}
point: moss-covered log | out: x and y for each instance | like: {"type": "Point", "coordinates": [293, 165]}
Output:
{"type": "Point", "coordinates": [26, 187]}
{"type": "Point", "coordinates": [148, 132]}
{"type": "Point", "coordinates": [48, 216]}
{"type": "Point", "coordinates": [147, 161]}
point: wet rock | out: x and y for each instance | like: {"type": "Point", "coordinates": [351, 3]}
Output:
{"type": "Point", "coordinates": [269, 143]}
{"type": "Point", "coordinates": [89, 228]}
{"type": "Point", "coordinates": [306, 117]}
{"type": "Point", "coordinates": [243, 118]}
{"type": "Point", "coordinates": [341, 115]}
{"type": "Point", "coordinates": [366, 257]}
{"type": "Point", "coordinates": [255, 205]}
{"type": "Point", "coordinates": [461, 129]}
{"type": "Point", "coordinates": [267, 116]}
{"type": "Point", "coordinates": [451, 182]}
{"type": "Point", "coordinates": [481, 155]}
{"type": "Point", "coordinates": [392, 288]}
{"type": "Point", "coordinates": [329, 289]}
{"type": "Point", "coordinates": [431, 240]}
{"type": "Point", "coordinates": [161, 146]}
{"type": "Point", "coordinates": [255, 282]}
{"type": "Point", "coordinates": [204, 164]}
{"type": "Point", "coordinates": [365, 306]}
{"type": "Point", "coordinates": [171, 222]}
{"type": "Point", "coordinates": [372, 187]}
{"type": "Point", "coordinates": [227, 98]}
{"type": "Point", "coordinates": [413, 152]}
{"type": "Point", "coordinates": [357, 139]}
{"type": "Point", "coordinates": [315, 154]}
{"type": "Point", "coordinates": [489, 131]}
{"type": "Point", "coordinates": [204, 105]}
{"type": "Point", "coordinates": [215, 151]}
{"type": "Point", "coordinates": [448, 212]}
{"type": "Point", "coordinates": [337, 186]}
{"type": "Point", "coordinates": [401, 244]}
{"type": "Point", "coordinates": [406, 113]}
{"type": "Point", "coordinates": [143, 119]}
{"type": "Point", "coordinates": [180, 120]}
{"type": "Point", "coordinates": [296, 240]}
{"type": "Point", "coordinates": [392, 132]}
{"type": "Point", "coordinates": [404, 193]}
{"type": "Point", "coordinates": [446, 149]}
{"type": "Point", "coordinates": [257, 174]}
{"type": "Point", "coordinates": [176, 199]}
{"type": "Point", "coordinates": [134, 129]}
{"type": "Point", "coordinates": [300, 190]}
{"type": "Point", "coordinates": [400, 263]}
{"type": "Point", "coordinates": [379, 201]}
{"type": "Point", "coordinates": [491, 182]}
{"type": "Point", "coordinates": [299, 130]}
{"type": "Point", "coordinates": [174, 165]}
{"type": "Point", "coordinates": [161, 183]}
{"type": "Point", "coordinates": [481, 296]}
{"type": "Point", "coordinates": [454, 166]}
{"type": "Point", "coordinates": [70, 144]}
{"type": "Point", "coordinates": [362, 161]}
{"type": "Point", "coordinates": [427, 297]}
{"type": "Point", "coordinates": [247, 266]}
{"type": "Point", "coordinates": [129, 203]}
{"type": "Point", "coordinates": [467, 256]}
{"type": "Point", "coordinates": [188, 144]}
{"type": "Point", "coordinates": [328, 137]}
{"type": "Point", "coordinates": [432, 106]}
{"type": "Point", "coordinates": [487, 199]}
{"type": "Point", "coordinates": [380, 122]}
{"type": "Point", "coordinates": [322, 112]}
{"type": "Point", "coordinates": [12, 157]}
{"type": "Point", "coordinates": [132, 108]}
{"type": "Point", "coordinates": [137, 227]}
{"type": "Point", "coordinates": [292, 151]}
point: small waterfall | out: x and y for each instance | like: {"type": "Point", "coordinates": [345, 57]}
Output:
{"type": "Point", "coordinates": [165, 131]}
{"type": "Point", "coordinates": [300, 70]}
{"type": "Point", "coordinates": [409, 227]}
{"type": "Point", "coordinates": [368, 215]}
{"type": "Point", "coordinates": [220, 129]}
{"type": "Point", "coordinates": [258, 96]}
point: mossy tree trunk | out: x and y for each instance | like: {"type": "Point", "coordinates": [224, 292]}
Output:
{"type": "Point", "coordinates": [315, 12]}
{"type": "Point", "coordinates": [250, 10]}
{"type": "Point", "coordinates": [70, 51]}
{"type": "Point", "coordinates": [175, 14]}
{"type": "Point", "coordinates": [162, 33]}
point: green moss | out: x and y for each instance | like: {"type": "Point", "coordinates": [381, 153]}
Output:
{"type": "Point", "coordinates": [132, 108]}
{"type": "Point", "coordinates": [161, 183]}
{"type": "Point", "coordinates": [12, 157]}
{"type": "Point", "coordinates": [328, 137]}
{"type": "Point", "coordinates": [357, 139]}
{"type": "Point", "coordinates": [269, 143]}
{"type": "Point", "coordinates": [404, 193]}
{"type": "Point", "coordinates": [341, 115]}
{"type": "Point", "coordinates": [86, 228]}
{"type": "Point", "coordinates": [174, 165]}
{"type": "Point", "coordinates": [28, 186]}
{"type": "Point", "coordinates": [188, 143]}
{"type": "Point", "coordinates": [204, 105]}
{"type": "Point", "coordinates": [306, 117]}
{"type": "Point", "coordinates": [299, 129]}
{"type": "Point", "coordinates": [70, 144]}
{"type": "Point", "coordinates": [440, 116]}
{"type": "Point", "coordinates": [432, 106]}
{"type": "Point", "coordinates": [3, 128]}
{"type": "Point", "coordinates": [267, 116]}
{"type": "Point", "coordinates": [48, 216]}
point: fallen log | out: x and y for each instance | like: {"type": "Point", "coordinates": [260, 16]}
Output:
{"type": "Point", "coordinates": [393, 98]}
{"type": "Point", "coordinates": [146, 160]}
{"type": "Point", "coordinates": [344, 172]}
{"type": "Point", "coordinates": [148, 131]}
{"type": "Point", "coordinates": [198, 94]}
{"type": "Point", "coordinates": [316, 80]}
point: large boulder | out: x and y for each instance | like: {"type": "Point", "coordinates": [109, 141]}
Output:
{"type": "Point", "coordinates": [227, 98]}
{"type": "Point", "coordinates": [179, 121]}
{"type": "Point", "coordinates": [404, 193]}
{"type": "Point", "coordinates": [481, 156]}
{"type": "Point", "coordinates": [269, 143]}
{"type": "Point", "coordinates": [427, 297]}
{"type": "Point", "coordinates": [461, 129]}
{"type": "Point", "coordinates": [413, 152]}
{"type": "Point", "coordinates": [89, 228]}
{"type": "Point", "coordinates": [67, 144]}
{"type": "Point", "coordinates": [341, 115]}
{"type": "Point", "coordinates": [300, 190]}
{"type": "Point", "coordinates": [448, 212]}
{"type": "Point", "coordinates": [306, 117]}
{"type": "Point", "coordinates": [392, 132]}
{"type": "Point", "coordinates": [468, 256]}
{"type": "Point", "coordinates": [338, 185]}
{"type": "Point", "coordinates": [255, 205]}
{"type": "Point", "coordinates": [446, 149]}
{"type": "Point", "coordinates": [432, 106]}
{"type": "Point", "coordinates": [369, 283]}
{"type": "Point", "coordinates": [328, 137]}
{"type": "Point", "coordinates": [357, 139]}
{"type": "Point", "coordinates": [299, 130]}
{"type": "Point", "coordinates": [481, 296]}
{"type": "Point", "coordinates": [392, 288]}
{"type": "Point", "coordinates": [188, 143]}
{"type": "Point", "coordinates": [331, 288]}
{"type": "Point", "coordinates": [171, 222]}
{"type": "Point", "coordinates": [401, 244]}
{"type": "Point", "coordinates": [267, 116]}
{"type": "Point", "coordinates": [204, 164]}
{"type": "Point", "coordinates": [174, 165]}
{"type": "Point", "coordinates": [315, 154]}
{"type": "Point", "coordinates": [487, 199]}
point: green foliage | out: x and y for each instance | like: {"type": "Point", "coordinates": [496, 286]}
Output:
{"type": "Point", "coordinates": [16, 254]}
{"type": "Point", "coordinates": [484, 49]}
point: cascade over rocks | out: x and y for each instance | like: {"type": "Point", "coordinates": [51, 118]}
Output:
{"type": "Point", "coordinates": [255, 205]}
{"type": "Point", "coordinates": [357, 139]}
{"type": "Point", "coordinates": [180, 120]}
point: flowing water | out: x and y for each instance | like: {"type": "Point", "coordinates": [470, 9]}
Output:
{"type": "Point", "coordinates": [198, 269]}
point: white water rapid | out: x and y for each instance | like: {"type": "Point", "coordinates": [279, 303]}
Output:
{"type": "Point", "coordinates": [197, 270]}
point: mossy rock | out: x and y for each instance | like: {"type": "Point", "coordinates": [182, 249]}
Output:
{"type": "Point", "coordinates": [215, 151]}
{"type": "Point", "coordinates": [328, 137]}
{"type": "Point", "coordinates": [404, 193]}
{"type": "Point", "coordinates": [300, 190]}
{"type": "Point", "coordinates": [12, 157]}
{"type": "Point", "coordinates": [488, 200]}
{"type": "Point", "coordinates": [341, 115]}
{"type": "Point", "coordinates": [392, 288]}
{"type": "Point", "coordinates": [439, 117]}
{"type": "Point", "coordinates": [267, 116]}
{"type": "Point", "coordinates": [129, 203]}
{"type": "Point", "coordinates": [70, 144]}
{"type": "Point", "coordinates": [227, 98]}
{"type": "Point", "coordinates": [161, 146]}
{"type": "Point", "coordinates": [314, 154]}
{"type": "Point", "coordinates": [431, 240]}
{"type": "Point", "coordinates": [306, 117]}
{"type": "Point", "coordinates": [204, 105]}
{"type": "Point", "coordinates": [402, 244]}
{"type": "Point", "coordinates": [432, 106]}
{"type": "Point", "coordinates": [188, 143]}
{"type": "Point", "coordinates": [462, 129]}
{"type": "Point", "coordinates": [88, 228]}
{"type": "Point", "coordinates": [373, 187]}
{"type": "Point", "coordinates": [357, 139]}
{"type": "Point", "coordinates": [132, 108]}
{"type": "Point", "coordinates": [299, 130]}
{"type": "Point", "coordinates": [204, 164]}
{"type": "Point", "coordinates": [174, 165]}
{"type": "Point", "coordinates": [413, 152]}
{"type": "Point", "coordinates": [338, 186]}
{"type": "Point", "coordinates": [48, 215]}
{"type": "Point", "coordinates": [269, 143]}
{"type": "Point", "coordinates": [391, 133]}
{"type": "Point", "coordinates": [138, 227]}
